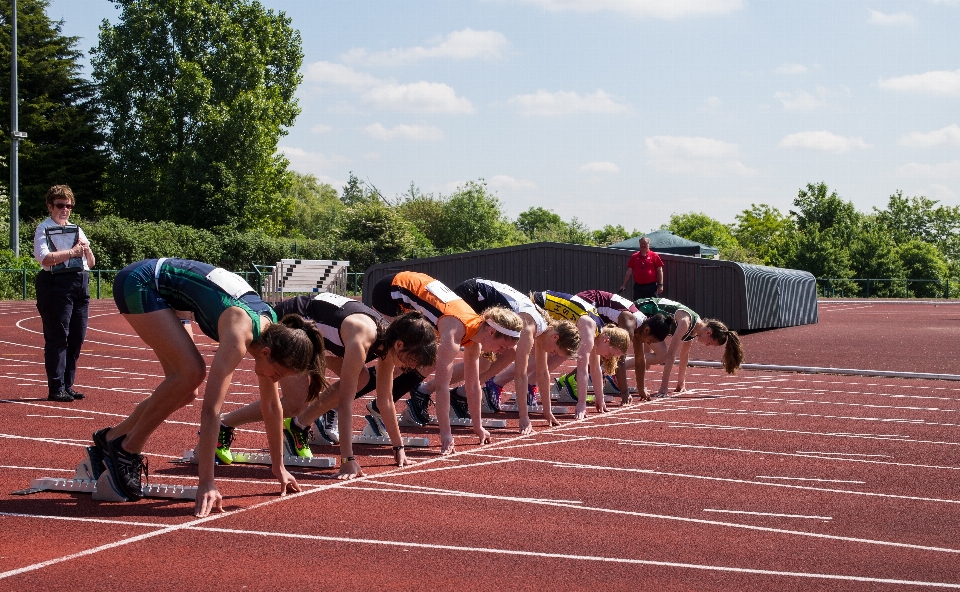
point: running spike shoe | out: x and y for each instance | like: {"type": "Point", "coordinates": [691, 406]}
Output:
{"type": "Point", "coordinates": [326, 429]}
{"type": "Point", "coordinates": [418, 407]}
{"type": "Point", "coordinates": [568, 382]}
{"type": "Point", "coordinates": [533, 395]}
{"type": "Point", "coordinates": [297, 438]}
{"type": "Point", "coordinates": [491, 396]}
{"type": "Point", "coordinates": [125, 469]}
{"type": "Point", "coordinates": [98, 451]}
{"type": "Point", "coordinates": [224, 440]}
{"type": "Point", "coordinates": [611, 382]}
{"type": "Point", "coordinates": [458, 405]}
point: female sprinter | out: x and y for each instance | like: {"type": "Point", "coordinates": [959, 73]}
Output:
{"type": "Point", "coordinates": [498, 329]}
{"type": "Point", "coordinates": [230, 312]}
{"type": "Point", "coordinates": [540, 336]}
{"type": "Point", "coordinates": [690, 327]}
{"type": "Point", "coordinates": [353, 336]}
{"type": "Point", "coordinates": [597, 342]}
{"type": "Point", "coordinates": [617, 310]}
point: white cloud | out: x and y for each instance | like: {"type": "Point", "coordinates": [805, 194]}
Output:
{"type": "Point", "coordinates": [459, 45]}
{"type": "Point", "coordinates": [562, 102]}
{"type": "Point", "coordinates": [327, 73]}
{"type": "Point", "coordinates": [947, 135]}
{"type": "Point", "coordinates": [600, 167]}
{"type": "Point", "coordinates": [941, 192]}
{"type": "Point", "coordinates": [505, 182]}
{"type": "Point", "coordinates": [940, 170]}
{"type": "Point", "coordinates": [418, 97]}
{"type": "Point", "coordinates": [301, 159]}
{"type": "Point", "coordinates": [823, 141]}
{"type": "Point", "coordinates": [410, 132]}
{"type": "Point", "coordinates": [790, 69]}
{"type": "Point", "coordinates": [657, 9]}
{"type": "Point", "coordinates": [899, 19]}
{"type": "Point", "coordinates": [937, 82]}
{"type": "Point", "coordinates": [802, 101]}
{"type": "Point", "coordinates": [693, 155]}
{"type": "Point", "coordinates": [321, 128]}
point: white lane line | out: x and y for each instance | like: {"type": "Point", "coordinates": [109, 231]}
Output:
{"type": "Point", "coordinates": [569, 465]}
{"type": "Point", "coordinates": [57, 416]}
{"type": "Point", "coordinates": [844, 454]}
{"type": "Point", "coordinates": [78, 519]}
{"type": "Point", "coordinates": [403, 488]}
{"type": "Point", "coordinates": [767, 514]}
{"type": "Point", "coordinates": [566, 556]}
{"type": "Point", "coordinates": [810, 479]}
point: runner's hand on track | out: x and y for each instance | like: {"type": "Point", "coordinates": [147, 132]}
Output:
{"type": "Point", "coordinates": [484, 436]}
{"type": "Point", "coordinates": [208, 499]}
{"type": "Point", "coordinates": [287, 483]}
{"type": "Point", "coordinates": [681, 387]}
{"type": "Point", "coordinates": [446, 445]}
{"type": "Point", "coordinates": [551, 419]}
{"type": "Point", "coordinates": [349, 470]}
{"type": "Point", "coordinates": [526, 427]}
{"type": "Point", "coordinates": [626, 399]}
{"type": "Point", "coordinates": [401, 457]}
{"type": "Point", "coordinates": [581, 409]}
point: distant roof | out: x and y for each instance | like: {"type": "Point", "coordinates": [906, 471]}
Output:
{"type": "Point", "coordinates": [664, 241]}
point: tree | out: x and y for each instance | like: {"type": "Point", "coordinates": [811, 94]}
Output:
{"type": "Point", "coordinates": [315, 207]}
{"type": "Point", "coordinates": [610, 234]}
{"type": "Point", "coordinates": [922, 261]}
{"type": "Point", "coordinates": [196, 94]}
{"type": "Point", "coordinates": [908, 218]}
{"type": "Point", "coordinates": [761, 230]}
{"type": "Point", "coordinates": [537, 220]}
{"type": "Point", "coordinates": [873, 256]}
{"type": "Point", "coordinates": [815, 207]}
{"type": "Point", "coordinates": [357, 192]}
{"type": "Point", "coordinates": [703, 229]}
{"type": "Point", "coordinates": [56, 109]}
{"type": "Point", "coordinates": [373, 232]}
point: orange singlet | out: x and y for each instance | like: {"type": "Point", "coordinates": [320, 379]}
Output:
{"type": "Point", "coordinates": [420, 292]}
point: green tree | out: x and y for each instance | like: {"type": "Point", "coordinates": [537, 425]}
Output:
{"type": "Point", "coordinates": [196, 94]}
{"type": "Point", "coordinates": [908, 218]}
{"type": "Point", "coordinates": [537, 221]}
{"type": "Point", "coordinates": [357, 191]}
{"type": "Point", "coordinates": [56, 110]}
{"type": "Point", "coordinates": [922, 261]}
{"type": "Point", "coordinates": [761, 229]}
{"type": "Point", "coordinates": [315, 207]}
{"type": "Point", "coordinates": [873, 255]}
{"type": "Point", "coordinates": [703, 229]}
{"type": "Point", "coordinates": [610, 234]}
{"type": "Point", "coordinates": [815, 207]}
{"type": "Point", "coordinates": [373, 232]}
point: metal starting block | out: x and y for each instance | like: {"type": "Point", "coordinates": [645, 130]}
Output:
{"type": "Point", "coordinates": [372, 435]}
{"type": "Point", "coordinates": [564, 397]}
{"type": "Point", "coordinates": [263, 458]}
{"type": "Point", "coordinates": [102, 489]}
{"type": "Point", "coordinates": [512, 407]}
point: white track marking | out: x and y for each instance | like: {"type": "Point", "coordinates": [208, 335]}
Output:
{"type": "Point", "coordinates": [843, 454]}
{"type": "Point", "coordinates": [767, 514]}
{"type": "Point", "coordinates": [57, 416]}
{"type": "Point", "coordinates": [811, 479]}
{"type": "Point", "coordinates": [566, 556]}
{"type": "Point", "coordinates": [78, 519]}
{"type": "Point", "coordinates": [402, 488]}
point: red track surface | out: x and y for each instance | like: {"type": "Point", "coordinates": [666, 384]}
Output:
{"type": "Point", "coordinates": [758, 481]}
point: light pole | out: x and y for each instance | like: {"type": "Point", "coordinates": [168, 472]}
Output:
{"type": "Point", "coordinates": [15, 137]}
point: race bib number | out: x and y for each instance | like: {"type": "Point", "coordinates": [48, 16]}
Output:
{"type": "Point", "coordinates": [445, 294]}
{"type": "Point", "coordinates": [331, 298]}
{"type": "Point", "coordinates": [231, 283]}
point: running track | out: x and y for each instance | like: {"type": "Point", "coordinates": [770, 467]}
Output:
{"type": "Point", "coordinates": [759, 481]}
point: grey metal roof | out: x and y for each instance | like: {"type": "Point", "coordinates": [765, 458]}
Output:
{"type": "Point", "coordinates": [664, 241]}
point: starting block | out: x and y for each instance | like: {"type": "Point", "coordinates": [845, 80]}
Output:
{"type": "Point", "coordinates": [102, 489]}
{"type": "Point", "coordinates": [456, 421]}
{"type": "Point", "coordinates": [512, 407]}
{"type": "Point", "coordinates": [263, 458]}
{"type": "Point", "coordinates": [564, 397]}
{"type": "Point", "coordinates": [371, 435]}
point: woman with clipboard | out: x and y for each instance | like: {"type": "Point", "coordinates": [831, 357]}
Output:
{"type": "Point", "coordinates": [63, 296]}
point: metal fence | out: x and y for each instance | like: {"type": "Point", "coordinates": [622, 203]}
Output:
{"type": "Point", "coordinates": [883, 288]}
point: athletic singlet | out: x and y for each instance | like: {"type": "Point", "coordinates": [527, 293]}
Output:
{"type": "Point", "coordinates": [609, 306]}
{"type": "Point", "coordinates": [482, 294]}
{"type": "Point", "coordinates": [420, 292]}
{"type": "Point", "coordinates": [207, 291]}
{"type": "Point", "coordinates": [562, 306]}
{"type": "Point", "coordinates": [328, 311]}
{"type": "Point", "coordinates": [651, 306]}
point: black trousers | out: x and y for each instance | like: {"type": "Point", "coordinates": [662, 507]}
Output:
{"type": "Point", "coordinates": [644, 290]}
{"type": "Point", "coordinates": [63, 301]}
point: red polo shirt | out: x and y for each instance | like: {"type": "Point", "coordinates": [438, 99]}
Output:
{"type": "Point", "coordinates": [644, 268]}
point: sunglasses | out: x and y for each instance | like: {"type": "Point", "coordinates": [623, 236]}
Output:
{"type": "Point", "coordinates": [63, 206]}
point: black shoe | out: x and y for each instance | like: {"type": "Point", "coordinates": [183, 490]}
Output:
{"type": "Point", "coordinates": [419, 406]}
{"type": "Point", "coordinates": [60, 396]}
{"type": "Point", "coordinates": [75, 394]}
{"type": "Point", "coordinates": [125, 469]}
{"type": "Point", "coordinates": [459, 405]}
{"type": "Point", "coordinates": [98, 451]}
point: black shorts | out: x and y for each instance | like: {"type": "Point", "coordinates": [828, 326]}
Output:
{"type": "Point", "coordinates": [645, 290]}
{"type": "Point", "coordinates": [380, 298]}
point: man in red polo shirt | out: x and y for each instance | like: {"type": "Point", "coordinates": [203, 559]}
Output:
{"type": "Point", "coordinates": [646, 269]}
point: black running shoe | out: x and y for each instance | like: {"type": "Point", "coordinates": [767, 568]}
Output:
{"type": "Point", "coordinates": [75, 394]}
{"type": "Point", "coordinates": [419, 406]}
{"type": "Point", "coordinates": [60, 396]}
{"type": "Point", "coordinates": [98, 451]}
{"type": "Point", "coordinates": [458, 405]}
{"type": "Point", "coordinates": [125, 469]}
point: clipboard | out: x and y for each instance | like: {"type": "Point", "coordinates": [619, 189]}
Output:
{"type": "Point", "coordinates": [61, 238]}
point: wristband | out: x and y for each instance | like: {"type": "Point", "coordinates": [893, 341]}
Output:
{"type": "Point", "coordinates": [345, 459]}
{"type": "Point", "coordinates": [398, 448]}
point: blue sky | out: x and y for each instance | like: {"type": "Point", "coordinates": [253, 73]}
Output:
{"type": "Point", "coordinates": [624, 111]}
